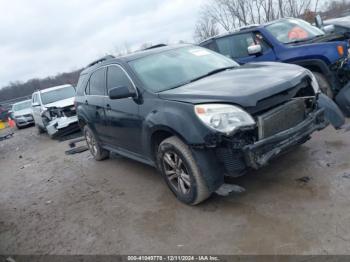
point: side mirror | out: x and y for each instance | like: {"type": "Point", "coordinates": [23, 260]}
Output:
{"type": "Point", "coordinates": [254, 50]}
{"type": "Point", "coordinates": [328, 29]}
{"type": "Point", "coordinates": [35, 104]}
{"type": "Point", "coordinates": [319, 21]}
{"type": "Point", "coordinates": [120, 92]}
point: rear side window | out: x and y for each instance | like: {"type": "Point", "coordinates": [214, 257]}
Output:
{"type": "Point", "coordinates": [116, 77]}
{"type": "Point", "coordinates": [98, 82]}
{"type": "Point", "coordinates": [235, 46]}
{"type": "Point", "coordinates": [81, 84]}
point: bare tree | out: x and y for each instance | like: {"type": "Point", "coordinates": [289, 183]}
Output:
{"type": "Point", "coordinates": [206, 27]}
{"type": "Point", "coordinates": [231, 14]}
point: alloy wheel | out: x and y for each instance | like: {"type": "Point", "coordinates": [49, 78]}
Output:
{"type": "Point", "coordinates": [91, 142]}
{"type": "Point", "coordinates": [176, 172]}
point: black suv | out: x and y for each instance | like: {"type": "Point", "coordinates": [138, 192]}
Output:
{"type": "Point", "coordinates": [195, 114]}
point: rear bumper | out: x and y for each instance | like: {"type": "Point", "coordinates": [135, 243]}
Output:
{"type": "Point", "coordinates": [260, 153]}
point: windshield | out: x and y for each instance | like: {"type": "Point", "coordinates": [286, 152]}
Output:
{"type": "Point", "coordinates": [293, 30]}
{"type": "Point", "coordinates": [57, 95]}
{"type": "Point", "coordinates": [21, 106]}
{"type": "Point", "coordinates": [172, 68]}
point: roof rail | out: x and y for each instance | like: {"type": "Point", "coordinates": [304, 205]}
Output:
{"type": "Point", "coordinates": [247, 27]}
{"type": "Point", "coordinates": [155, 46]}
{"type": "Point", "coordinates": [100, 60]}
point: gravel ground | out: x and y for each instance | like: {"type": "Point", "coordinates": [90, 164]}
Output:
{"type": "Point", "coordinates": [51, 203]}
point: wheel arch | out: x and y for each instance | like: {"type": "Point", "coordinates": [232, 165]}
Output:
{"type": "Point", "coordinates": [158, 135]}
{"type": "Point", "coordinates": [318, 65]}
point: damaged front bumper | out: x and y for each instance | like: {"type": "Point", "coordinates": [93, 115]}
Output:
{"type": "Point", "coordinates": [260, 153]}
{"type": "Point", "coordinates": [237, 156]}
{"type": "Point", "coordinates": [62, 125]}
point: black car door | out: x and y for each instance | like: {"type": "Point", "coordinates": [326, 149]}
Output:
{"type": "Point", "coordinates": [124, 124]}
{"type": "Point", "coordinates": [95, 99]}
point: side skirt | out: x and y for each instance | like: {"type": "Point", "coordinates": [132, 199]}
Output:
{"type": "Point", "coordinates": [129, 154]}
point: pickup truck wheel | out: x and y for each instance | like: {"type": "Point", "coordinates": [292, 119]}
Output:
{"type": "Point", "coordinates": [181, 172]}
{"type": "Point", "coordinates": [324, 84]}
{"type": "Point", "coordinates": [96, 150]}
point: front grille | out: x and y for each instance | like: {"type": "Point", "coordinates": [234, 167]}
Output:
{"type": "Point", "coordinates": [281, 118]}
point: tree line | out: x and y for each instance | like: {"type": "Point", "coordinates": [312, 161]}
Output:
{"type": "Point", "coordinates": [19, 89]}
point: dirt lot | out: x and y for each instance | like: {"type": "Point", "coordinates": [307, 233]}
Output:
{"type": "Point", "coordinates": [51, 203]}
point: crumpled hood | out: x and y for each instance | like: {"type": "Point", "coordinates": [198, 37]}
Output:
{"type": "Point", "coordinates": [244, 85]}
{"type": "Point", "coordinates": [23, 112]}
{"type": "Point", "coordinates": [62, 103]}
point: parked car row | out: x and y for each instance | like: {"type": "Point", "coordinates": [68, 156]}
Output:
{"type": "Point", "coordinates": [52, 110]}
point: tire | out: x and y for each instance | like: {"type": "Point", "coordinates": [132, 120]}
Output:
{"type": "Point", "coordinates": [96, 150]}
{"type": "Point", "coordinates": [181, 172]}
{"type": "Point", "coordinates": [18, 127]}
{"type": "Point", "coordinates": [324, 84]}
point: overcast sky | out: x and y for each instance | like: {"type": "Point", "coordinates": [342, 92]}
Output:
{"type": "Point", "coordinates": [40, 38]}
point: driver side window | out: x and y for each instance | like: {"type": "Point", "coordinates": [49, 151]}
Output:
{"type": "Point", "coordinates": [235, 46]}
{"type": "Point", "coordinates": [116, 77]}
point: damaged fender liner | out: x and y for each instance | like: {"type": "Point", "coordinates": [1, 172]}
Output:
{"type": "Point", "coordinates": [260, 153]}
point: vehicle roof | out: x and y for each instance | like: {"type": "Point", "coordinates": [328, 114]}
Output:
{"type": "Point", "coordinates": [246, 28]}
{"type": "Point", "coordinates": [133, 56]}
{"type": "Point", "coordinates": [25, 101]}
{"type": "Point", "coordinates": [52, 88]}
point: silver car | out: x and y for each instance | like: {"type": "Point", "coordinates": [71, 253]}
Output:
{"type": "Point", "coordinates": [22, 113]}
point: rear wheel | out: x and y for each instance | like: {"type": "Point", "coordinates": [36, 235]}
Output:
{"type": "Point", "coordinates": [96, 150]}
{"type": "Point", "coordinates": [181, 172]}
{"type": "Point", "coordinates": [324, 84]}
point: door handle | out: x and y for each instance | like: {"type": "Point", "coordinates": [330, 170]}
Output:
{"type": "Point", "coordinates": [86, 102]}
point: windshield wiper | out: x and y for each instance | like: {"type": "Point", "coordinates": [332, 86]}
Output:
{"type": "Point", "coordinates": [213, 72]}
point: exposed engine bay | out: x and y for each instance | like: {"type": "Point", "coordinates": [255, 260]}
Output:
{"type": "Point", "coordinates": [60, 121]}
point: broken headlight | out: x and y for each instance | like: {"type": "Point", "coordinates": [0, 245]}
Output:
{"type": "Point", "coordinates": [223, 118]}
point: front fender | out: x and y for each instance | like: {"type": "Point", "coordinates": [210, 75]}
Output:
{"type": "Point", "coordinates": [177, 118]}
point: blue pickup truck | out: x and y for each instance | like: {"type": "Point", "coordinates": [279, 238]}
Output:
{"type": "Point", "coordinates": [295, 41]}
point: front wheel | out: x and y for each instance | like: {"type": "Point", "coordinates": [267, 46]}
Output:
{"type": "Point", "coordinates": [324, 84]}
{"type": "Point", "coordinates": [181, 172]}
{"type": "Point", "coordinates": [96, 150]}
